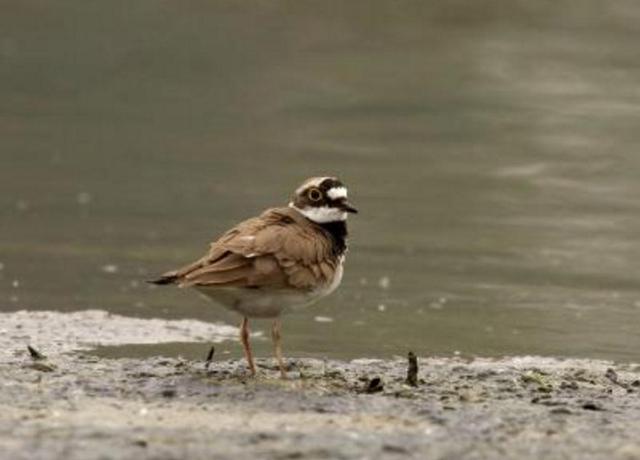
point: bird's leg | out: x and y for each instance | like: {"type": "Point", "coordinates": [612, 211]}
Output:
{"type": "Point", "coordinates": [275, 335]}
{"type": "Point", "coordinates": [244, 338]}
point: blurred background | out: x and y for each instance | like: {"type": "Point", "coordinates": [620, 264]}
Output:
{"type": "Point", "coordinates": [491, 147]}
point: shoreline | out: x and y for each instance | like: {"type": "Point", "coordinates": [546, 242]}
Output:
{"type": "Point", "coordinates": [77, 405]}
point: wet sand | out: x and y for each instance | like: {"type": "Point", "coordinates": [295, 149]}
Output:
{"type": "Point", "coordinates": [75, 405]}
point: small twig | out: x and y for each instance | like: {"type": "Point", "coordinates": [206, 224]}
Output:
{"type": "Point", "coordinates": [37, 357]}
{"type": "Point", "coordinates": [412, 371]}
{"type": "Point", "coordinates": [209, 357]}
{"type": "Point", "coordinates": [35, 354]}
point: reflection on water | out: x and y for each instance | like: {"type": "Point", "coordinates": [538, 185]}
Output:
{"type": "Point", "coordinates": [491, 149]}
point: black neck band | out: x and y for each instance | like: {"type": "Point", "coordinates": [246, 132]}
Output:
{"type": "Point", "coordinates": [338, 232]}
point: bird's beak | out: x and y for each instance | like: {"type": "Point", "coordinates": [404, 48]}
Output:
{"type": "Point", "coordinates": [346, 206]}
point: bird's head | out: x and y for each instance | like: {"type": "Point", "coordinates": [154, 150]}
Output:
{"type": "Point", "coordinates": [322, 200]}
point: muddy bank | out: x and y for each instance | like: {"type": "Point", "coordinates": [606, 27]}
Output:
{"type": "Point", "coordinates": [78, 406]}
{"type": "Point", "coordinates": [84, 330]}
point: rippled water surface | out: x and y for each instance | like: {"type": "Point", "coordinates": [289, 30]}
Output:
{"type": "Point", "coordinates": [492, 148]}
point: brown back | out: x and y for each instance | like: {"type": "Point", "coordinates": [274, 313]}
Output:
{"type": "Point", "coordinates": [279, 249]}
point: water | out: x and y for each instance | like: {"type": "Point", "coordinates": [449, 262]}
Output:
{"type": "Point", "coordinates": [490, 146]}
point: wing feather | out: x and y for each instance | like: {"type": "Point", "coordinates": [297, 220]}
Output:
{"type": "Point", "coordinates": [278, 249]}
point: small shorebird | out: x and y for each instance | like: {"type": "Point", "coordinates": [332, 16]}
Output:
{"type": "Point", "coordinates": [286, 258]}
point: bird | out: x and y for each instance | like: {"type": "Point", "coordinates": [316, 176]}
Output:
{"type": "Point", "coordinates": [280, 261]}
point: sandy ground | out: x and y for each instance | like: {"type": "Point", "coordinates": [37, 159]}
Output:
{"type": "Point", "coordinates": [74, 405]}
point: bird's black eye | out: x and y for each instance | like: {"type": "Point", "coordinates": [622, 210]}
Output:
{"type": "Point", "coordinates": [314, 194]}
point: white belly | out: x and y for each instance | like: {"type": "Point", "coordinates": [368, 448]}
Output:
{"type": "Point", "coordinates": [269, 303]}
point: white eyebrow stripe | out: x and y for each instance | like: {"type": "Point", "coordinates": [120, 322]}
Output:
{"type": "Point", "coordinates": [337, 192]}
{"type": "Point", "coordinates": [313, 182]}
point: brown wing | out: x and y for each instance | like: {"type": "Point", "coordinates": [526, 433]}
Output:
{"type": "Point", "coordinates": [279, 249]}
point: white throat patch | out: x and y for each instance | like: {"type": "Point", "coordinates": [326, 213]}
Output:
{"type": "Point", "coordinates": [337, 192]}
{"type": "Point", "coordinates": [322, 214]}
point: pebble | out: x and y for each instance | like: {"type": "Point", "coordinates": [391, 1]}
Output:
{"type": "Point", "coordinates": [22, 205]}
{"type": "Point", "coordinates": [384, 282]}
{"type": "Point", "coordinates": [83, 198]}
{"type": "Point", "coordinates": [323, 319]}
{"type": "Point", "coordinates": [110, 268]}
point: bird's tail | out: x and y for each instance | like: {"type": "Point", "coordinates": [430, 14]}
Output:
{"type": "Point", "coordinates": [167, 278]}
{"type": "Point", "coordinates": [177, 276]}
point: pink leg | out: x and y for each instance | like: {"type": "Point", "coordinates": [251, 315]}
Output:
{"type": "Point", "coordinates": [275, 335]}
{"type": "Point", "coordinates": [244, 338]}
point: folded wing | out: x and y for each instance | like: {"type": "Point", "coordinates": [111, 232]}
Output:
{"type": "Point", "coordinates": [279, 250]}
